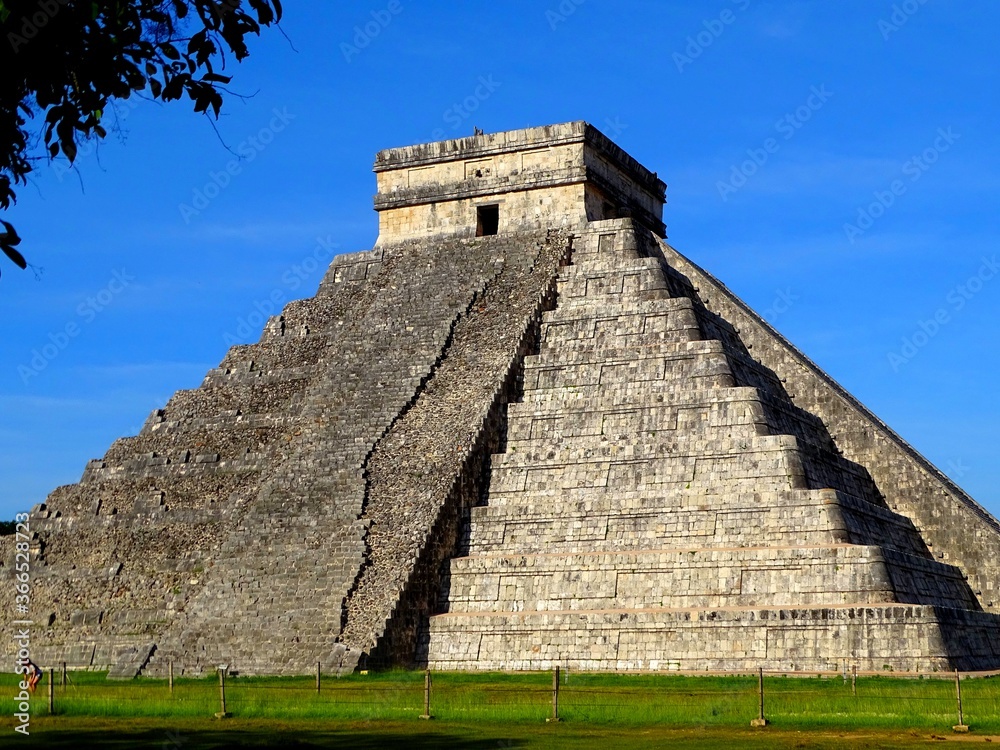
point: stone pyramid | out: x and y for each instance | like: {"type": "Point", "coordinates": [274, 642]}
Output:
{"type": "Point", "coordinates": [522, 432]}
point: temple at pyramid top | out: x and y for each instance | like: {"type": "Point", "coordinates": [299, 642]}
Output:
{"type": "Point", "coordinates": [553, 176]}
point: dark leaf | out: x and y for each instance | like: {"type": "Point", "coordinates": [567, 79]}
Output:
{"type": "Point", "coordinates": [197, 41]}
{"type": "Point", "coordinates": [14, 255]}
{"type": "Point", "coordinates": [173, 88]}
{"type": "Point", "coordinates": [264, 13]}
{"type": "Point", "coordinates": [66, 130]}
{"type": "Point", "coordinates": [10, 236]}
{"type": "Point", "coordinates": [216, 78]}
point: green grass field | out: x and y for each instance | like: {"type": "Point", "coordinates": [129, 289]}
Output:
{"type": "Point", "coordinates": [509, 710]}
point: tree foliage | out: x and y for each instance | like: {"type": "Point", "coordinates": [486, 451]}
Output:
{"type": "Point", "coordinates": [63, 61]}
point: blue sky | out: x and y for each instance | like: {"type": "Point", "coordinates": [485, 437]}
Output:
{"type": "Point", "coordinates": [835, 164]}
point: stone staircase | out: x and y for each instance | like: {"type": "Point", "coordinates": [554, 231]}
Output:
{"type": "Point", "coordinates": [663, 504]}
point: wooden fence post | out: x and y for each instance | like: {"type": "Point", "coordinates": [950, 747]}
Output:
{"type": "Point", "coordinates": [555, 696]}
{"type": "Point", "coordinates": [760, 721]}
{"type": "Point", "coordinates": [961, 726]}
{"type": "Point", "coordinates": [64, 674]}
{"type": "Point", "coordinates": [52, 691]}
{"type": "Point", "coordinates": [854, 681]}
{"type": "Point", "coordinates": [223, 714]}
{"type": "Point", "coordinates": [319, 668]}
{"type": "Point", "coordinates": [427, 696]}
{"type": "Point", "coordinates": [170, 677]}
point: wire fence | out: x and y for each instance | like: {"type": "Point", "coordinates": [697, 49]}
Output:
{"type": "Point", "coordinates": [848, 700]}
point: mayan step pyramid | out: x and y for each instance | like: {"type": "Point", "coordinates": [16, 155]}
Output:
{"type": "Point", "coordinates": [521, 432]}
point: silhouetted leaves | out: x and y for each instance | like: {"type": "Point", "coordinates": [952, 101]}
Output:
{"type": "Point", "coordinates": [8, 239]}
{"type": "Point", "coordinates": [65, 61]}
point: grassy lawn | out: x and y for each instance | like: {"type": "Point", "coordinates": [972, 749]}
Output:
{"type": "Point", "coordinates": [202, 734]}
{"type": "Point", "coordinates": [505, 710]}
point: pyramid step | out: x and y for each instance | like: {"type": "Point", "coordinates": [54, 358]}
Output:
{"type": "Point", "coordinates": [642, 422]}
{"type": "Point", "coordinates": [899, 637]}
{"type": "Point", "coordinates": [608, 342]}
{"type": "Point", "coordinates": [566, 325]}
{"type": "Point", "coordinates": [543, 402]}
{"type": "Point", "coordinates": [584, 501]}
{"type": "Point", "coordinates": [779, 525]}
{"type": "Point", "coordinates": [618, 349]}
{"type": "Point", "coordinates": [253, 375]}
{"type": "Point", "coordinates": [666, 446]}
{"type": "Point", "coordinates": [249, 398]}
{"type": "Point", "coordinates": [586, 265]}
{"type": "Point", "coordinates": [131, 661]}
{"type": "Point", "coordinates": [771, 460]}
{"type": "Point", "coordinates": [570, 518]}
{"type": "Point", "coordinates": [700, 577]}
{"type": "Point", "coordinates": [596, 286]}
{"type": "Point", "coordinates": [700, 361]}
{"type": "Point", "coordinates": [609, 310]}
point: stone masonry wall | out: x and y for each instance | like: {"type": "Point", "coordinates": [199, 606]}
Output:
{"type": "Point", "coordinates": [956, 529]}
{"type": "Point", "coordinates": [557, 176]}
{"type": "Point", "coordinates": [233, 528]}
{"type": "Point", "coordinates": [118, 556]}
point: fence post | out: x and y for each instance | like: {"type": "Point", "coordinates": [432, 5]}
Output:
{"type": "Point", "coordinates": [555, 695]}
{"type": "Point", "coordinates": [52, 690]}
{"type": "Point", "coordinates": [319, 667]}
{"type": "Point", "coordinates": [961, 726]}
{"type": "Point", "coordinates": [854, 681]}
{"type": "Point", "coordinates": [170, 677]}
{"type": "Point", "coordinates": [223, 714]}
{"type": "Point", "coordinates": [64, 674]}
{"type": "Point", "coordinates": [427, 696]}
{"type": "Point", "coordinates": [760, 721]}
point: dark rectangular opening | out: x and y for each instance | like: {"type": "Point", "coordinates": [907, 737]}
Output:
{"type": "Point", "coordinates": [487, 220]}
